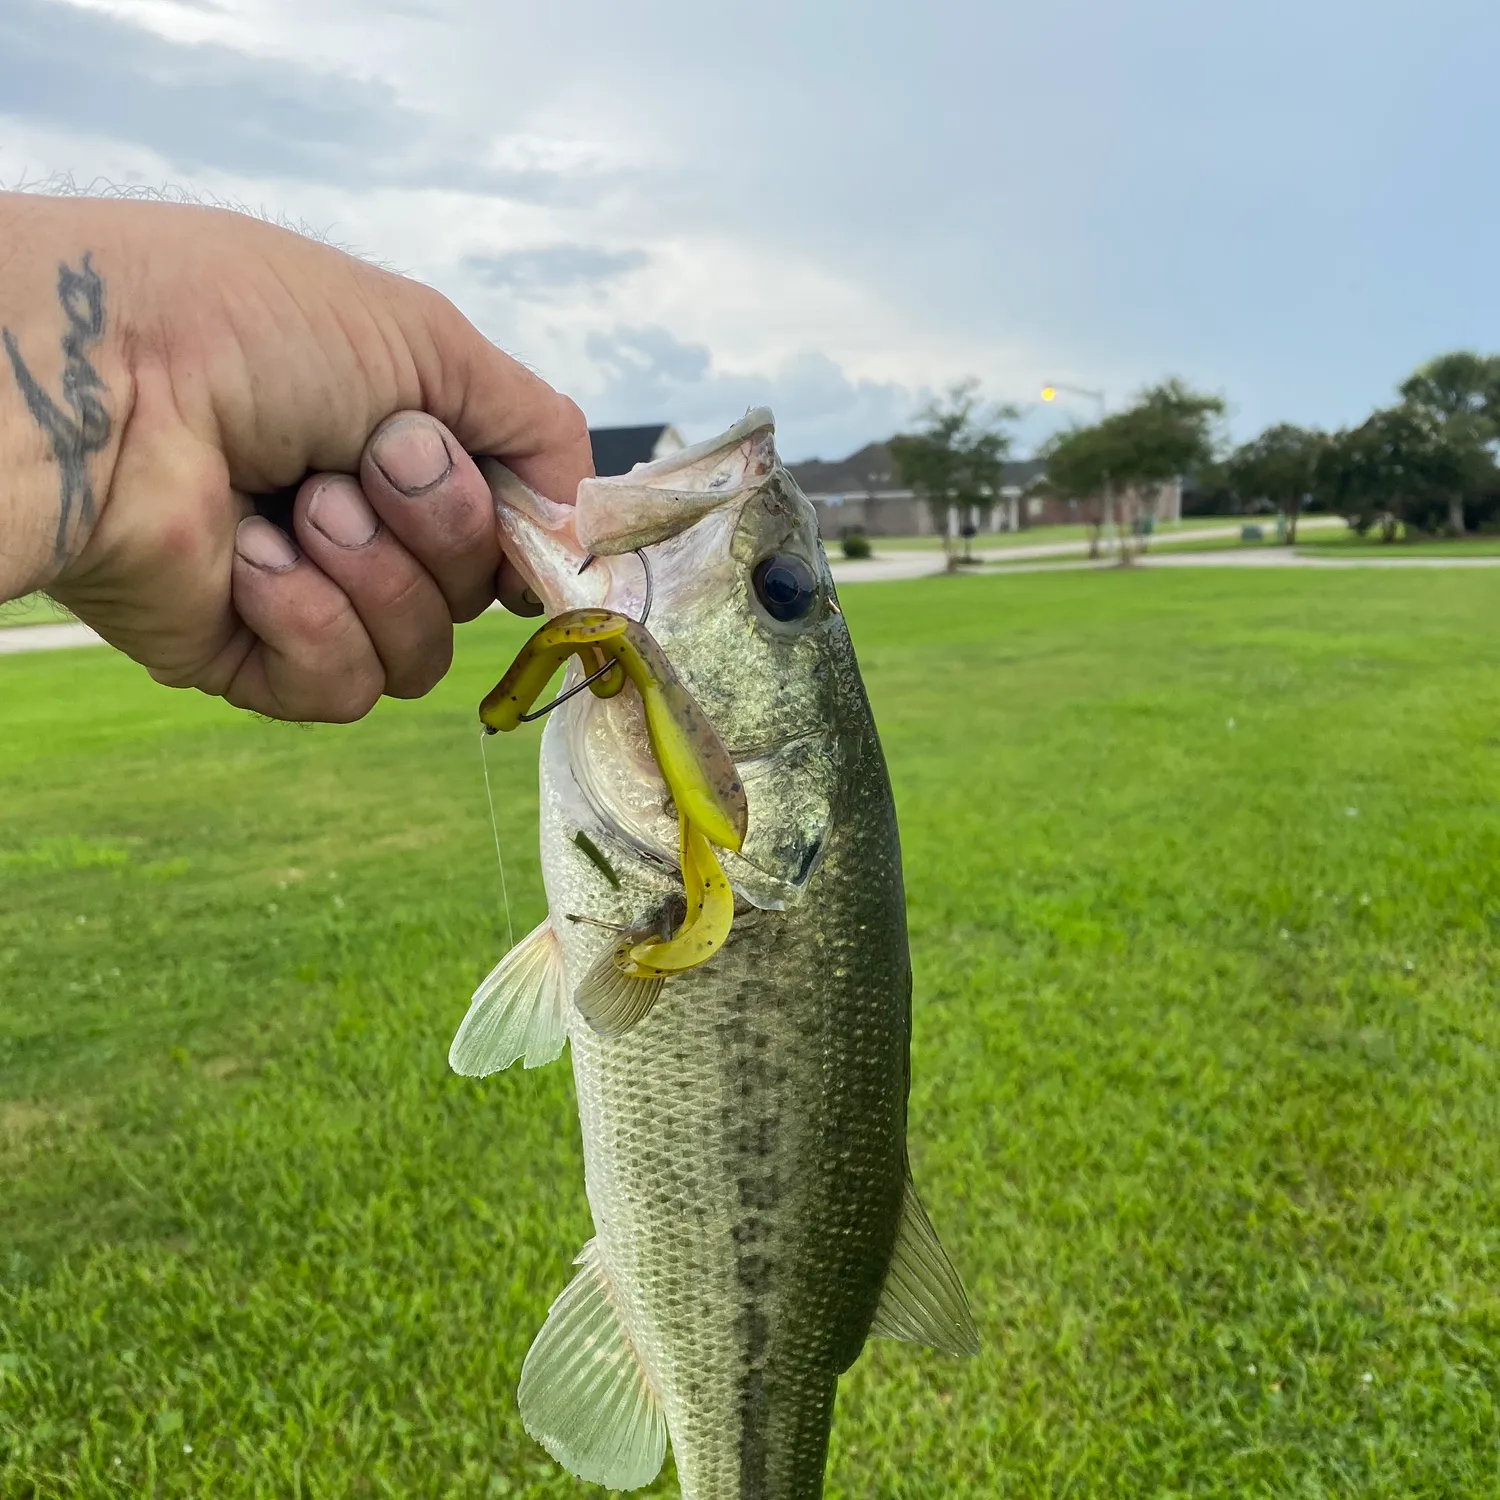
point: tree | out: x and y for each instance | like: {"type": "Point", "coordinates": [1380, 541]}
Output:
{"type": "Point", "coordinates": [1166, 431]}
{"type": "Point", "coordinates": [1402, 464]}
{"type": "Point", "coordinates": [1125, 459]}
{"type": "Point", "coordinates": [1278, 466]}
{"type": "Point", "coordinates": [956, 458]}
{"type": "Point", "coordinates": [1461, 393]}
{"type": "Point", "coordinates": [1078, 463]}
{"type": "Point", "coordinates": [1454, 384]}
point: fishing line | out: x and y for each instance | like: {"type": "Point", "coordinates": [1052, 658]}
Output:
{"type": "Point", "coordinates": [489, 796]}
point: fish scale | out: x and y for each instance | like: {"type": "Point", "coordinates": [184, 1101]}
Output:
{"type": "Point", "coordinates": [744, 1137]}
{"type": "Point", "coordinates": [744, 1157]}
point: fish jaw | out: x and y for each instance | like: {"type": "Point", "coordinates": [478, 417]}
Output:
{"type": "Point", "coordinates": [549, 543]}
{"type": "Point", "coordinates": [540, 538]}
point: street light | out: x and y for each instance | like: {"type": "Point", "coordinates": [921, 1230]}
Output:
{"type": "Point", "coordinates": [1049, 393]}
{"type": "Point", "coordinates": [1051, 389]}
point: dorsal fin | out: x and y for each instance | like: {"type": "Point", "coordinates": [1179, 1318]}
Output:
{"type": "Point", "coordinates": [519, 1010]}
{"type": "Point", "coordinates": [923, 1301]}
{"type": "Point", "coordinates": [584, 1395]}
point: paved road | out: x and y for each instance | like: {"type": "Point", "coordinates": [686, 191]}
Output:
{"type": "Point", "coordinates": [1217, 532]}
{"type": "Point", "coordinates": [890, 566]}
{"type": "Point", "coordinates": [19, 638]}
{"type": "Point", "coordinates": [911, 563]}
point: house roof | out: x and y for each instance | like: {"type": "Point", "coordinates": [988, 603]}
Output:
{"type": "Point", "coordinates": [1023, 472]}
{"type": "Point", "coordinates": [871, 471]}
{"type": "Point", "coordinates": [617, 450]}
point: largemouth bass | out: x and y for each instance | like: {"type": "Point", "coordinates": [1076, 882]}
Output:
{"type": "Point", "coordinates": [743, 1117]}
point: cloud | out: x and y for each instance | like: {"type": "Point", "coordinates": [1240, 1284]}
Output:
{"type": "Point", "coordinates": [647, 374]}
{"type": "Point", "coordinates": [208, 107]}
{"type": "Point", "coordinates": [1128, 205]}
{"type": "Point", "coordinates": [552, 268]}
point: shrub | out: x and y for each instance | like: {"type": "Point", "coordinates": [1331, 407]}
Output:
{"type": "Point", "coordinates": [856, 545]}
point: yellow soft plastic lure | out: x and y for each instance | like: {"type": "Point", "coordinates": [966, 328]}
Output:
{"type": "Point", "coordinates": [699, 772]}
{"type": "Point", "coordinates": [710, 913]}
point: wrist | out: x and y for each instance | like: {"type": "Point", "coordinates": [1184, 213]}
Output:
{"type": "Point", "coordinates": [64, 386]}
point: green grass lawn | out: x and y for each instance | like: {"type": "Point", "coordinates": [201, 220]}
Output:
{"type": "Point", "coordinates": [34, 609]}
{"type": "Point", "coordinates": [1162, 542]}
{"type": "Point", "coordinates": [1230, 542]}
{"type": "Point", "coordinates": [1204, 882]}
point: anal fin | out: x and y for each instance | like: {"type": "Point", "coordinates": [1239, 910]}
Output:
{"type": "Point", "coordinates": [584, 1396]}
{"type": "Point", "coordinates": [923, 1301]}
{"type": "Point", "coordinates": [520, 1011]}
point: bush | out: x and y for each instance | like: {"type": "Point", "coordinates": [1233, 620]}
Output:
{"type": "Point", "coordinates": [856, 545]}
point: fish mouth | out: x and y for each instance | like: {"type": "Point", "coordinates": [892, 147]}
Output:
{"type": "Point", "coordinates": [550, 543]}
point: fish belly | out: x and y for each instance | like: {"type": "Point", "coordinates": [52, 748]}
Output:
{"type": "Point", "coordinates": [744, 1149]}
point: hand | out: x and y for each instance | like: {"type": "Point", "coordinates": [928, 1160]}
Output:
{"type": "Point", "coordinates": [239, 360]}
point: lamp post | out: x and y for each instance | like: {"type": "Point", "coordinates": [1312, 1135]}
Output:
{"type": "Point", "coordinates": [1049, 393]}
{"type": "Point", "coordinates": [1051, 389]}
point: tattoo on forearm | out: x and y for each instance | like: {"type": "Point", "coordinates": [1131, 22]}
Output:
{"type": "Point", "coordinates": [77, 437]}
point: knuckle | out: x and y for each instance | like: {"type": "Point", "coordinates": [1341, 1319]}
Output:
{"type": "Point", "coordinates": [572, 424]}
{"type": "Point", "coordinates": [413, 596]}
{"type": "Point", "coordinates": [338, 697]}
{"type": "Point", "coordinates": [418, 676]}
{"type": "Point", "coordinates": [324, 620]}
{"type": "Point", "coordinates": [349, 703]}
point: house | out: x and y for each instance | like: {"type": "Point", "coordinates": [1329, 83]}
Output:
{"type": "Point", "coordinates": [861, 493]}
{"type": "Point", "coordinates": [617, 450]}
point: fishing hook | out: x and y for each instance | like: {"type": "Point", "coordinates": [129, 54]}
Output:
{"type": "Point", "coordinates": [609, 666]}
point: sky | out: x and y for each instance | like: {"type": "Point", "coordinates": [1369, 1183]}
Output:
{"type": "Point", "coordinates": [676, 210]}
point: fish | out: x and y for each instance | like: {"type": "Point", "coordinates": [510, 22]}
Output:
{"type": "Point", "coordinates": [744, 1117]}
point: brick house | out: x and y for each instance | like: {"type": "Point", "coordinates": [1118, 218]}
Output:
{"type": "Point", "coordinates": [861, 493]}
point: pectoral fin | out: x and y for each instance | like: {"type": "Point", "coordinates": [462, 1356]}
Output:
{"type": "Point", "coordinates": [519, 1011]}
{"type": "Point", "coordinates": [923, 1301]}
{"type": "Point", "coordinates": [584, 1395]}
{"type": "Point", "coordinates": [614, 995]}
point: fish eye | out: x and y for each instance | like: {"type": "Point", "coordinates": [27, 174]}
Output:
{"type": "Point", "coordinates": [785, 585]}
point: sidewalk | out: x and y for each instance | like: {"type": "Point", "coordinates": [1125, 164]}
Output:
{"type": "Point", "coordinates": [16, 639]}
{"type": "Point", "coordinates": [907, 562]}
